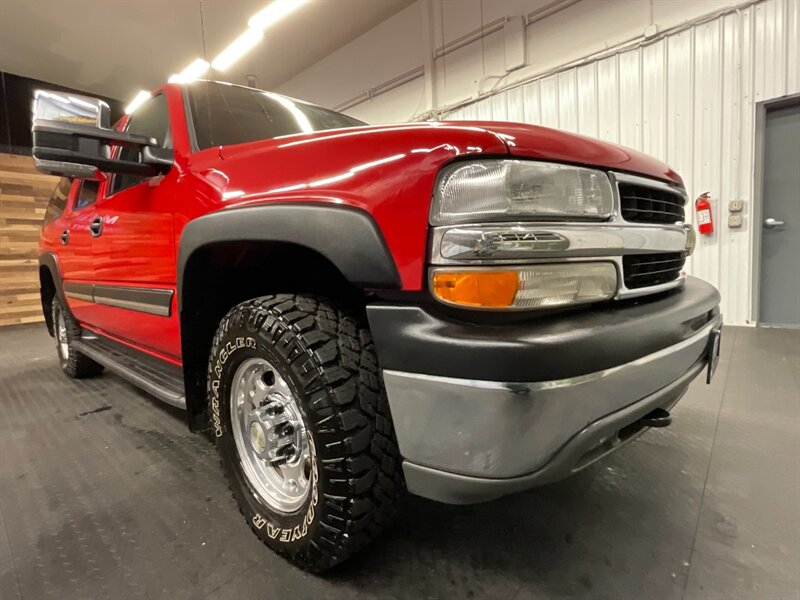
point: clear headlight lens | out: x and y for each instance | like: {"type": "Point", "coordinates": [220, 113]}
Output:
{"type": "Point", "coordinates": [532, 287]}
{"type": "Point", "coordinates": [499, 189]}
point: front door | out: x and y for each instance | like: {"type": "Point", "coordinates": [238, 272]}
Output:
{"type": "Point", "coordinates": [779, 304]}
{"type": "Point", "coordinates": [134, 248]}
{"type": "Point", "coordinates": [75, 253]}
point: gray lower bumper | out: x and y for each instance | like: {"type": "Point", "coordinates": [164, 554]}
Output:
{"type": "Point", "coordinates": [466, 441]}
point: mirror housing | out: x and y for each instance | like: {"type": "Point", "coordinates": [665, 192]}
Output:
{"type": "Point", "coordinates": [72, 138]}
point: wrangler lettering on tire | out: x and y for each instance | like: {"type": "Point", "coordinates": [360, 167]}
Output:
{"type": "Point", "coordinates": [302, 425]}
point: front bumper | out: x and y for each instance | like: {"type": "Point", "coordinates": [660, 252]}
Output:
{"type": "Point", "coordinates": [566, 390]}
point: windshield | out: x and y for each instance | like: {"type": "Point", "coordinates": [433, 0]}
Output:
{"type": "Point", "coordinates": [227, 114]}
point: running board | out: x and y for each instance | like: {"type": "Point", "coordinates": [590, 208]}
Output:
{"type": "Point", "coordinates": [157, 377]}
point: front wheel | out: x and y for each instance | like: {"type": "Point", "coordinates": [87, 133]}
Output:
{"type": "Point", "coordinates": [303, 428]}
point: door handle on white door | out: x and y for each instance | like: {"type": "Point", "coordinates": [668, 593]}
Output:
{"type": "Point", "coordinates": [772, 223]}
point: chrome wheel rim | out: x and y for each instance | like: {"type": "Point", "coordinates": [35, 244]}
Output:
{"type": "Point", "coordinates": [270, 436]}
{"type": "Point", "coordinates": [61, 335]}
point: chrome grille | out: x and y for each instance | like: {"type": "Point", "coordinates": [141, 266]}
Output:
{"type": "Point", "coordinates": [645, 204]}
{"type": "Point", "coordinates": [646, 270]}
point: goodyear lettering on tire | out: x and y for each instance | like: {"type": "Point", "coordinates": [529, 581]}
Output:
{"type": "Point", "coordinates": [297, 532]}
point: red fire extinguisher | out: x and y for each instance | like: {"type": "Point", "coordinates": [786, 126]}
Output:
{"type": "Point", "coordinates": [705, 220]}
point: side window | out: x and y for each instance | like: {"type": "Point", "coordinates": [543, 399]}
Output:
{"type": "Point", "coordinates": [151, 119]}
{"type": "Point", "coordinates": [87, 194]}
{"type": "Point", "coordinates": [58, 200]}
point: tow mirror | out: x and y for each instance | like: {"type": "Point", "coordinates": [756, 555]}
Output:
{"type": "Point", "coordinates": [72, 137]}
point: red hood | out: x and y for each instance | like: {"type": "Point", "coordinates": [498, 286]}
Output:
{"type": "Point", "coordinates": [519, 139]}
{"type": "Point", "coordinates": [532, 141]}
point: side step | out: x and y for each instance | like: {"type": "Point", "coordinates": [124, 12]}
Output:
{"type": "Point", "coordinates": [157, 377]}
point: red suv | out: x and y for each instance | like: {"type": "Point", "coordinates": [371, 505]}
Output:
{"type": "Point", "coordinates": [460, 309]}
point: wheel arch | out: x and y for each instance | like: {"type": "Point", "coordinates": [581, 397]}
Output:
{"type": "Point", "coordinates": [234, 255]}
{"type": "Point", "coordinates": [50, 286]}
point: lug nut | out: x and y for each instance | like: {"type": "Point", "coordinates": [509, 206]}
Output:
{"type": "Point", "coordinates": [284, 429]}
{"type": "Point", "coordinates": [285, 451]}
{"type": "Point", "coordinates": [283, 454]}
{"type": "Point", "coordinates": [274, 409]}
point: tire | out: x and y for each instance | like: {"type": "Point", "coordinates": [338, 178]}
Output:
{"type": "Point", "coordinates": [65, 331]}
{"type": "Point", "coordinates": [324, 357]}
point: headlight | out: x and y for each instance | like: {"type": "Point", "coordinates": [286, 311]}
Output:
{"type": "Point", "coordinates": [501, 190]}
{"type": "Point", "coordinates": [536, 286]}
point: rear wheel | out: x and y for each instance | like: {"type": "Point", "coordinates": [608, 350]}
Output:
{"type": "Point", "coordinates": [303, 427]}
{"type": "Point", "coordinates": [65, 331]}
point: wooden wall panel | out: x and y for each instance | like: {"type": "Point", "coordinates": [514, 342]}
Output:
{"type": "Point", "coordinates": [24, 194]}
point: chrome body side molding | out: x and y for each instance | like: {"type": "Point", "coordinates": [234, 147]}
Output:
{"type": "Point", "coordinates": [155, 301]}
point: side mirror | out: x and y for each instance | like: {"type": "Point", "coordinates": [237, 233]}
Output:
{"type": "Point", "coordinates": [72, 138]}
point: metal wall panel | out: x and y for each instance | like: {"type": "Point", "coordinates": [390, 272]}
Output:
{"type": "Point", "coordinates": [587, 100]}
{"type": "Point", "coordinates": [690, 100]}
{"type": "Point", "coordinates": [608, 93]}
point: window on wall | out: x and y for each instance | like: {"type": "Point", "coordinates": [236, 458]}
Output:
{"type": "Point", "coordinates": [87, 194]}
{"type": "Point", "coordinates": [151, 119]}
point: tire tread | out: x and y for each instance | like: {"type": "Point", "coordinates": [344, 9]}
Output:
{"type": "Point", "coordinates": [331, 347]}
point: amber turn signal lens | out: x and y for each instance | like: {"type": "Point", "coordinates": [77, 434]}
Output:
{"type": "Point", "coordinates": [486, 289]}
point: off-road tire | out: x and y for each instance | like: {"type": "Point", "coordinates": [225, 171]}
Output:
{"type": "Point", "coordinates": [74, 364]}
{"type": "Point", "coordinates": [326, 355]}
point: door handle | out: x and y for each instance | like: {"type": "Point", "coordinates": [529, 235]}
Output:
{"type": "Point", "coordinates": [65, 237]}
{"type": "Point", "coordinates": [96, 227]}
{"type": "Point", "coordinates": [772, 223]}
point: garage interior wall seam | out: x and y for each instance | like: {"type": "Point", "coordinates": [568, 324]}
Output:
{"type": "Point", "coordinates": [495, 26]}
{"type": "Point", "coordinates": [627, 45]}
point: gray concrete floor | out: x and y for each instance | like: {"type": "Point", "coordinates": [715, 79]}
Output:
{"type": "Point", "coordinates": [105, 494]}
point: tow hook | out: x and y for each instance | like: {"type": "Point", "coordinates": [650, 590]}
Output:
{"type": "Point", "coordinates": [656, 418]}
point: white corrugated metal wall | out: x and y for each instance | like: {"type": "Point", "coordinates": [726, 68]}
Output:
{"type": "Point", "coordinates": [689, 99]}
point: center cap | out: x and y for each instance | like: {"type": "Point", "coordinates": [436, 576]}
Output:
{"type": "Point", "coordinates": [258, 440]}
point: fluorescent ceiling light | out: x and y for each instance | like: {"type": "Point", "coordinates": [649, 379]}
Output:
{"type": "Point", "coordinates": [137, 101]}
{"type": "Point", "coordinates": [237, 49]}
{"type": "Point", "coordinates": [274, 12]}
{"type": "Point", "coordinates": [192, 72]}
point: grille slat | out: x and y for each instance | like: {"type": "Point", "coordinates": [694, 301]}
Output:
{"type": "Point", "coordinates": [645, 270]}
{"type": "Point", "coordinates": [643, 204]}
{"type": "Point", "coordinates": [667, 202]}
{"type": "Point", "coordinates": [649, 273]}
{"type": "Point", "coordinates": [676, 261]}
{"type": "Point", "coordinates": [650, 214]}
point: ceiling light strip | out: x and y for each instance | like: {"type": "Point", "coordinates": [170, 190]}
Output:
{"type": "Point", "coordinates": [238, 48]}
{"type": "Point", "coordinates": [196, 69]}
{"type": "Point", "coordinates": [273, 13]}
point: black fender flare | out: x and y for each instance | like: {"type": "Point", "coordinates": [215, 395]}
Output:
{"type": "Point", "coordinates": [50, 261]}
{"type": "Point", "coordinates": [348, 237]}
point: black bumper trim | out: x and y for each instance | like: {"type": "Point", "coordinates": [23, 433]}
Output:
{"type": "Point", "coordinates": [412, 339]}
